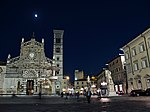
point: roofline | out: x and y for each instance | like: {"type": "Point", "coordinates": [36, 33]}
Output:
{"type": "Point", "coordinates": [146, 31]}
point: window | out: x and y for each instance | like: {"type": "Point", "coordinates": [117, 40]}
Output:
{"type": "Point", "coordinates": [141, 47]}
{"type": "Point", "coordinates": [116, 69]}
{"type": "Point", "coordinates": [58, 40]}
{"type": "Point", "coordinates": [126, 55]}
{"type": "Point", "coordinates": [58, 50]}
{"type": "Point", "coordinates": [77, 82]}
{"type": "Point", "coordinates": [133, 51]}
{"type": "Point", "coordinates": [144, 63]}
{"type": "Point", "coordinates": [109, 65]}
{"type": "Point", "coordinates": [57, 58]}
{"type": "Point", "coordinates": [82, 82]}
{"type": "Point", "coordinates": [136, 67]}
{"type": "Point", "coordinates": [57, 65]}
{"type": "Point", "coordinates": [148, 42]}
{"type": "Point", "coordinates": [117, 61]}
{"type": "Point", "coordinates": [57, 72]}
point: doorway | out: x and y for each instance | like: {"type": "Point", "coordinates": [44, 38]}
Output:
{"type": "Point", "coordinates": [30, 87]}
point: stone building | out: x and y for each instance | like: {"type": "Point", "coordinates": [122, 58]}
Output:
{"type": "Point", "coordinates": [118, 73]}
{"type": "Point", "coordinates": [2, 75]}
{"type": "Point", "coordinates": [58, 57]}
{"type": "Point", "coordinates": [32, 72]}
{"type": "Point", "coordinates": [137, 58]}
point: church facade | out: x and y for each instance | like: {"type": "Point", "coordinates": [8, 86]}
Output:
{"type": "Point", "coordinates": [32, 72]}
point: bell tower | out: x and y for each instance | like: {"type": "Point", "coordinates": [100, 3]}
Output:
{"type": "Point", "coordinates": [58, 57]}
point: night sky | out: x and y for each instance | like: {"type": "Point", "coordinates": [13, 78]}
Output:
{"type": "Point", "coordinates": [94, 31]}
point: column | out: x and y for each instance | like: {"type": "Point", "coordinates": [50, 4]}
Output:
{"type": "Point", "coordinates": [54, 72]}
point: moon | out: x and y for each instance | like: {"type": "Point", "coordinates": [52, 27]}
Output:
{"type": "Point", "coordinates": [35, 15]}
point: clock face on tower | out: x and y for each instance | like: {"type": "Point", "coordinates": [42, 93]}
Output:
{"type": "Point", "coordinates": [31, 55]}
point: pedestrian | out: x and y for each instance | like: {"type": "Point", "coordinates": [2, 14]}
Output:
{"type": "Point", "coordinates": [62, 94]}
{"type": "Point", "coordinates": [66, 95]}
{"type": "Point", "coordinates": [88, 96]}
{"type": "Point", "coordinates": [40, 94]}
{"type": "Point", "coordinates": [77, 94]}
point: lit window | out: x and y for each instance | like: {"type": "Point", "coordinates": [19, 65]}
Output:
{"type": "Point", "coordinates": [136, 67]}
{"type": "Point", "coordinates": [141, 47]}
{"type": "Point", "coordinates": [148, 42]}
{"type": "Point", "coordinates": [133, 51]}
{"type": "Point", "coordinates": [144, 63]}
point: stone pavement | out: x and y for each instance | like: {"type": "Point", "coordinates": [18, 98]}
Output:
{"type": "Point", "coordinates": [58, 104]}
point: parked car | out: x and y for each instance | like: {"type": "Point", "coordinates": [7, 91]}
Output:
{"type": "Point", "coordinates": [138, 92]}
{"type": "Point", "coordinates": [147, 92]}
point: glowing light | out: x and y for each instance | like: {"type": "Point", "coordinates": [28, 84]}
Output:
{"type": "Point", "coordinates": [36, 15]}
{"type": "Point", "coordinates": [67, 77]}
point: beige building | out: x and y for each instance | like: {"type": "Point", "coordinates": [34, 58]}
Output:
{"type": "Point", "coordinates": [137, 58]}
{"type": "Point", "coordinates": [118, 73]}
{"type": "Point", "coordinates": [82, 82]}
{"type": "Point", "coordinates": [81, 85]}
{"type": "Point", "coordinates": [79, 74]}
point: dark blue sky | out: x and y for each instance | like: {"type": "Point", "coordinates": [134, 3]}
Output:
{"type": "Point", "coordinates": [94, 31]}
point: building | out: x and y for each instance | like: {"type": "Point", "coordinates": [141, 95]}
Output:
{"type": "Point", "coordinates": [32, 72]}
{"type": "Point", "coordinates": [58, 57]}
{"type": "Point", "coordinates": [65, 84]}
{"type": "Point", "coordinates": [105, 83]}
{"type": "Point", "coordinates": [118, 73]}
{"type": "Point", "coordinates": [2, 75]}
{"type": "Point", "coordinates": [137, 58]}
{"type": "Point", "coordinates": [81, 85]}
{"type": "Point", "coordinates": [79, 74]}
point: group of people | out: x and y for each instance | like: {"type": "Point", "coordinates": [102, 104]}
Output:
{"type": "Point", "coordinates": [87, 94]}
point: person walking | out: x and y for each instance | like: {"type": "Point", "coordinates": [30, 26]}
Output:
{"type": "Point", "coordinates": [88, 96]}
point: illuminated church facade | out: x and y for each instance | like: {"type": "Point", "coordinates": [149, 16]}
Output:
{"type": "Point", "coordinates": [32, 72]}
